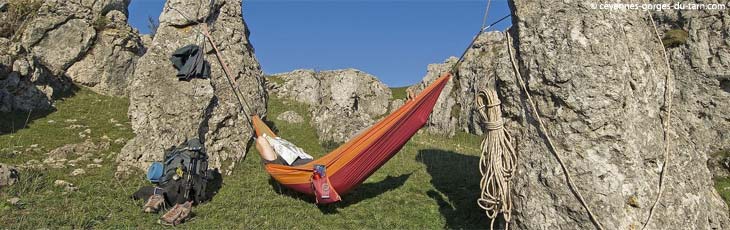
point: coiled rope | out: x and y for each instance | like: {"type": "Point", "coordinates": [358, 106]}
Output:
{"type": "Point", "coordinates": [568, 178]}
{"type": "Point", "coordinates": [498, 161]}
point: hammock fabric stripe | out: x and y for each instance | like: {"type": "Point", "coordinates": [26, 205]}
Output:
{"type": "Point", "coordinates": [350, 164]}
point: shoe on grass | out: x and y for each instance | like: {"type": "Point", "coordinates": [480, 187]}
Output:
{"type": "Point", "coordinates": [154, 203]}
{"type": "Point", "coordinates": [177, 214]}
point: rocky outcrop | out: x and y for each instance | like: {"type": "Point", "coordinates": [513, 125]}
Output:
{"type": "Point", "coordinates": [291, 117]}
{"type": "Point", "coordinates": [719, 164]}
{"type": "Point", "coordinates": [87, 42]}
{"type": "Point", "coordinates": [701, 68]}
{"type": "Point", "coordinates": [165, 111]}
{"type": "Point", "coordinates": [454, 111]}
{"type": "Point", "coordinates": [8, 175]}
{"type": "Point", "coordinates": [342, 102]}
{"type": "Point", "coordinates": [109, 66]}
{"type": "Point", "coordinates": [598, 79]}
{"type": "Point", "coordinates": [395, 104]}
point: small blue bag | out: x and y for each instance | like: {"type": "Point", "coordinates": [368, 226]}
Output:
{"type": "Point", "coordinates": [154, 172]}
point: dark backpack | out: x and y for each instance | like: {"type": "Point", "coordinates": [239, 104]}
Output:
{"type": "Point", "coordinates": [186, 169]}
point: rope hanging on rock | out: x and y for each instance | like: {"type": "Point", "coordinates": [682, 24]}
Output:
{"type": "Point", "coordinates": [666, 123]}
{"type": "Point", "coordinates": [551, 146]}
{"type": "Point", "coordinates": [498, 161]}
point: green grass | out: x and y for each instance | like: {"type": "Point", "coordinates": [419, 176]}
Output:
{"type": "Point", "coordinates": [275, 79]}
{"type": "Point", "coordinates": [722, 184]}
{"type": "Point", "coordinates": [399, 92]}
{"type": "Point", "coordinates": [432, 183]}
{"type": "Point", "coordinates": [723, 187]}
{"type": "Point", "coordinates": [674, 38]}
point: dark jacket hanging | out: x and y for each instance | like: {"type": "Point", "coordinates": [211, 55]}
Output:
{"type": "Point", "coordinates": [189, 62]}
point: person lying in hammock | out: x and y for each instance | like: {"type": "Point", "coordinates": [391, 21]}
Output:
{"type": "Point", "coordinates": [275, 150]}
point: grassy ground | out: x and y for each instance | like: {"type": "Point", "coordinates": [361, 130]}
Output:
{"type": "Point", "coordinates": [431, 183]}
{"type": "Point", "coordinates": [399, 92]}
{"type": "Point", "coordinates": [722, 184]}
{"type": "Point", "coordinates": [723, 187]}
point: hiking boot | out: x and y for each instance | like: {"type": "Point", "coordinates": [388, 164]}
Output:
{"type": "Point", "coordinates": [154, 203]}
{"type": "Point", "coordinates": [177, 214]}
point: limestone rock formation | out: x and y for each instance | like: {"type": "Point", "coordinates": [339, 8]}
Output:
{"type": "Point", "coordinates": [396, 104]}
{"type": "Point", "coordinates": [342, 102]}
{"type": "Point", "coordinates": [8, 175]}
{"type": "Point", "coordinates": [455, 110]}
{"type": "Point", "coordinates": [299, 85]}
{"type": "Point", "coordinates": [702, 74]}
{"type": "Point", "coordinates": [719, 165]}
{"type": "Point", "coordinates": [166, 111]}
{"type": "Point", "coordinates": [109, 66]}
{"type": "Point", "coordinates": [88, 42]}
{"type": "Point", "coordinates": [291, 117]}
{"type": "Point", "coordinates": [598, 79]}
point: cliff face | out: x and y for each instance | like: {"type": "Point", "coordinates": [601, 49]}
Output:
{"type": "Point", "coordinates": [702, 74]}
{"type": "Point", "coordinates": [64, 42]}
{"type": "Point", "coordinates": [598, 78]}
{"type": "Point", "coordinates": [166, 111]}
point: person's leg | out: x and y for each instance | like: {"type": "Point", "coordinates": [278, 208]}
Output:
{"type": "Point", "coordinates": [265, 150]}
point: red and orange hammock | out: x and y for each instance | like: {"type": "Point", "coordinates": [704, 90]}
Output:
{"type": "Point", "coordinates": [350, 164]}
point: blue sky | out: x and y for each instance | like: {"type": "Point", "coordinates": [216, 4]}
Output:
{"type": "Point", "coordinates": [393, 40]}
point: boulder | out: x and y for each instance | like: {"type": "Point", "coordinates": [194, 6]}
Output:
{"type": "Point", "coordinates": [78, 172]}
{"type": "Point", "coordinates": [109, 66]}
{"type": "Point", "coordinates": [291, 117]}
{"type": "Point", "coordinates": [396, 104]}
{"type": "Point", "coordinates": [301, 85]}
{"type": "Point", "coordinates": [78, 149]}
{"type": "Point", "coordinates": [342, 102]}
{"type": "Point", "coordinates": [8, 175]}
{"type": "Point", "coordinates": [14, 201]}
{"type": "Point", "coordinates": [598, 79]}
{"type": "Point", "coordinates": [67, 186]}
{"type": "Point", "coordinates": [58, 48]}
{"type": "Point", "coordinates": [165, 111]}
{"type": "Point", "coordinates": [65, 41]}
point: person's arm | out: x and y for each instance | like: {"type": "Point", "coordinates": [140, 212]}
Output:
{"type": "Point", "coordinates": [265, 150]}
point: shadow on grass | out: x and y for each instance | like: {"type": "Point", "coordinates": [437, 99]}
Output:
{"type": "Point", "coordinates": [456, 179]}
{"type": "Point", "coordinates": [17, 120]}
{"type": "Point", "coordinates": [215, 183]}
{"type": "Point", "coordinates": [360, 193]}
{"type": "Point", "coordinates": [13, 121]}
